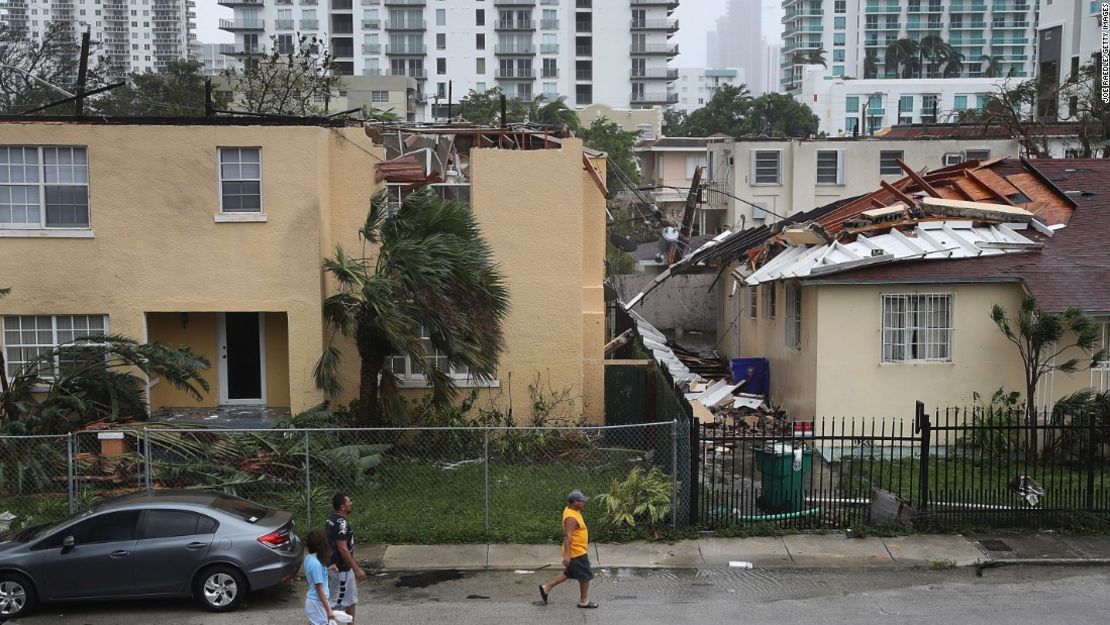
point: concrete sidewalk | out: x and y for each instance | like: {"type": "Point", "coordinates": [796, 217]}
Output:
{"type": "Point", "coordinates": [810, 551]}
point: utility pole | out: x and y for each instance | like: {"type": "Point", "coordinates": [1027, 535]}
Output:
{"type": "Point", "coordinates": [208, 106]}
{"type": "Point", "coordinates": [82, 74]}
{"type": "Point", "coordinates": [687, 214]}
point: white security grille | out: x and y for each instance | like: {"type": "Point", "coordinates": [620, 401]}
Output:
{"type": "Point", "coordinates": [917, 327]}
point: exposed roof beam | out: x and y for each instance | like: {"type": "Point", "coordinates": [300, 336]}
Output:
{"type": "Point", "coordinates": [902, 197]}
{"type": "Point", "coordinates": [994, 193]}
{"type": "Point", "coordinates": [918, 179]}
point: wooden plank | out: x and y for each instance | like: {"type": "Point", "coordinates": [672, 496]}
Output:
{"type": "Point", "coordinates": [928, 188]}
{"type": "Point", "coordinates": [997, 185]}
{"type": "Point", "coordinates": [902, 197]}
{"type": "Point", "coordinates": [974, 191]}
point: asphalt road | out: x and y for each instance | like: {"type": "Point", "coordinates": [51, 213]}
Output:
{"type": "Point", "coordinates": [1017, 596]}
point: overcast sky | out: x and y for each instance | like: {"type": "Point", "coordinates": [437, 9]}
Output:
{"type": "Point", "coordinates": [696, 17]}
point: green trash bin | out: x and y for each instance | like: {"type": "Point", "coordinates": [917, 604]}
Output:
{"type": "Point", "coordinates": [783, 484]}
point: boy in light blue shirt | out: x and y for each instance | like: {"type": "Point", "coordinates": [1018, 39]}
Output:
{"type": "Point", "coordinates": [316, 606]}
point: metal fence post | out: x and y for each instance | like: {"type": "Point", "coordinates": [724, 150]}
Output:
{"type": "Point", "coordinates": [926, 428]}
{"type": "Point", "coordinates": [485, 462]}
{"type": "Point", "coordinates": [307, 483]}
{"type": "Point", "coordinates": [1091, 454]}
{"type": "Point", "coordinates": [674, 473]}
{"type": "Point", "coordinates": [146, 458]}
{"type": "Point", "coordinates": [694, 493]}
{"type": "Point", "coordinates": [71, 477]}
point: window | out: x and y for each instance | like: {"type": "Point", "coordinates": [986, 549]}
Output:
{"type": "Point", "coordinates": [441, 66]}
{"type": "Point", "coordinates": [977, 155]}
{"type": "Point", "coordinates": [1104, 346]}
{"type": "Point", "coordinates": [28, 337]}
{"type": "Point", "coordinates": [917, 328]}
{"type": "Point", "coordinates": [171, 523]}
{"type": "Point", "coordinates": [840, 6]}
{"type": "Point", "coordinates": [692, 163]}
{"type": "Point", "coordinates": [102, 528]}
{"type": "Point", "coordinates": [830, 167]}
{"type": "Point", "coordinates": [838, 39]}
{"type": "Point", "coordinates": [839, 22]}
{"type": "Point", "coordinates": [928, 109]}
{"type": "Point", "coordinates": [379, 96]}
{"type": "Point", "coordinates": [480, 17]}
{"type": "Point", "coordinates": [794, 316]}
{"type": "Point", "coordinates": [851, 125]}
{"type": "Point", "coordinates": [753, 302]}
{"type": "Point", "coordinates": [769, 296]}
{"type": "Point", "coordinates": [441, 17]}
{"type": "Point", "coordinates": [838, 56]}
{"type": "Point", "coordinates": [406, 369]}
{"type": "Point", "coordinates": [905, 104]}
{"type": "Point", "coordinates": [765, 166]}
{"type": "Point", "coordinates": [646, 131]}
{"type": "Point", "coordinates": [960, 103]}
{"type": "Point", "coordinates": [851, 103]}
{"type": "Point", "coordinates": [480, 66]}
{"type": "Point", "coordinates": [480, 41]}
{"type": "Point", "coordinates": [44, 187]}
{"type": "Point", "coordinates": [441, 41]}
{"type": "Point", "coordinates": [888, 162]}
{"type": "Point", "coordinates": [241, 180]}
{"type": "Point", "coordinates": [838, 70]}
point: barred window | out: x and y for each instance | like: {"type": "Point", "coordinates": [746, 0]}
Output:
{"type": "Point", "coordinates": [917, 328]}
{"type": "Point", "coordinates": [29, 337]}
{"type": "Point", "coordinates": [753, 302]}
{"type": "Point", "coordinates": [794, 316]}
{"type": "Point", "coordinates": [769, 295]}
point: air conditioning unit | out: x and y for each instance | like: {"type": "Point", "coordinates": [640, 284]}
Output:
{"type": "Point", "coordinates": [953, 158]}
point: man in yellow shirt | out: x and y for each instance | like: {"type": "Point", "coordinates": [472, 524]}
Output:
{"type": "Point", "coordinates": [576, 559]}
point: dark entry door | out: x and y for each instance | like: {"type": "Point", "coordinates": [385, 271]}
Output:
{"type": "Point", "coordinates": [243, 357]}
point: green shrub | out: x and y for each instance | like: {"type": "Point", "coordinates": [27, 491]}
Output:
{"type": "Point", "coordinates": [640, 498]}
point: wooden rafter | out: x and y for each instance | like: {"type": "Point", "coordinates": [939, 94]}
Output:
{"type": "Point", "coordinates": [994, 192]}
{"type": "Point", "coordinates": [925, 186]}
{"type": "Point", "coordinates": [897, 193]}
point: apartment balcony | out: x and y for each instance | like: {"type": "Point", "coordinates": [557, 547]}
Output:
{"type": "Point", "coordinates": [670, 4]}
{"type": "Point", "coordinates": [371, 3]}
{"type": "Point", "coordinates": [550, 73]}
{"type": "Point", "coordinates": [516, 25]}
{"type": "Point", "coordinates": [794, 15]}
{"type": "Point", "coordinates": [583, 50]}
{"type": "Point", "coordinates": [241, 3]}
{"type": "Point", "coordinates": [925, 8]}
{"type": "Point", "coordinates": [283, 24]}
{"type": "Point", "coordinates": [413, 25]}
{"type": "Point", "coordinates": [283, 2]}
{"type": "Point", "coordinates": [417, 73]}
{"type": "Point", "coordinates": [342, 52]}
{"type": "Point", "coordinates": [236, 25]}
{"type": "Point", "coordinates": [662, 99]}
{"type": "Point", "coordinates": [514, 3]}
{"type": "Point", "coordinates": [514, 50]}
{"type": "Point", "coordinates": [1016, 41]}
{"type": "Point", "coordinates": [883, 9]}
{"type": "Point", "coordinates": [341, 5]}
{"type": "Point", "coordinates": [960, 7]}
{"type": "Point", "coordinates": [310, 24]}
{"type": "Point", "coordinates": [805, 28]}
{"type": "Point", "coordinates": [371, 48]}
{"type": "Point", "coordinates": [968, 42]}
{"type": "Point", "coordinates": [549, 24]}
{"type": "Point", "coordinates": [236, 49]}
{"type": "Point", "coordinates": [651, 49]}
{"type": "Point", "coordinates": [1011, 26]}
{"type": "Point", "coordinates": [583, 4]}
{"type": "Point", "coordinates": [583, 75]}
{"type": "Point", "coordinates": [669, 26]}
{"type": "Point", "coordinates": [968, 26]}
{"type": "Point", "coordinates": [404, 3]}
{"type": "Point", "coordinates": [654, 74]}
{"type": "Point", "coordinates": [371, 24]}
{"type": "Point", "coordinates": [1008, 7]}
{"type": "Point", "coordinates": [414, 49]}
{"type": "Point", "coordinates": [549, 48]}
{"type": "Point", "coordinates": [515, 74]}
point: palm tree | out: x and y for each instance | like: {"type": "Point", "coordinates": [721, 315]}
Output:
{"type": "Point", "coordinates": [433, 276]}
{"type": "Point", "coordinates": [870, 65]}
{"type": "Point", "coordinates": [555, 112]}
{"type": "Point", "coordinates": [902, 54]}
{"type": "Point", "coordinates": [994, 65]}
{"type": "Point", "coordinates": [817, 57]}
{"type": "Point", "coordinates": [931, 48]}
{"type": "Point", "coordinates": [953, 62]}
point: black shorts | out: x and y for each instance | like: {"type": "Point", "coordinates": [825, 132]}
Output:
{"type": "Point", "coordinates": [579, 569]}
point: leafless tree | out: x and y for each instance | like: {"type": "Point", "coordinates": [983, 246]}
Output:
{"type": "Point", "coordinates": [286, 82]}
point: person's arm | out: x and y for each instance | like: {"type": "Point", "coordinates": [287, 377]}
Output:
{"type": "Point", "coordinates": [569, 525]}
{"type": "Point", "coordinates": [346, 556]}
{"type": "Point", "coordinates": [324, 600]}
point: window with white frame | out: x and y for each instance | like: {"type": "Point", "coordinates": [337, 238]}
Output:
{"type": "Point", "coordinates": [794, 316]}
{"type": "Point", "coordinates": [646, 131]}
{"type": "Point", "coordinates": [917, 327]}
{"type": "Point", "coordinates": [1104, 346]}
{"type": "Point", "coordinates": [753, 302]}
{"type": "Point", "coordinates": [692, 163]}
{"type": "Point", "coordinates": [830, 167]}
{"type": "Point", "coordinates": [44, 187]}
{"type": "Point", "coordinates": [28, 337]}
{"type": "Point", "coordinates": [769, 302]}
{"type": "Point", "coordinates": [766, 167]}
{"type": "Point", "coordinates": [241, 180]}
{"type": "Point", "coordinates": [407, 370]}
{"type": "Point", "coordinates": [379, 95]}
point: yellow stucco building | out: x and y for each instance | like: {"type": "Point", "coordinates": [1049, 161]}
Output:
{"type": "Point", "coordinates": [211, 233]}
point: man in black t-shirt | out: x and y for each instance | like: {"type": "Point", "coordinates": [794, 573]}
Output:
{"type": "Point", "coordinates": [342, 591]}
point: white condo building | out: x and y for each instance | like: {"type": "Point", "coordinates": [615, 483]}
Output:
{"type": "Point", "coordinates": [134, 36]}
{"type": "Point", "coordinates": [1068, 35]}
{"type": "Point", "coordinates": [697, 85]}
{"type": "Point", "coordinates": [613, 52]}
{"type": "Point", "coordinates": [848, 32]}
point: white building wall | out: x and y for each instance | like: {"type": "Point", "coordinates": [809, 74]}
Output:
{"type": "Point", "coordinates": [829, 99]}
{"type": "Point", "coordinates": [1076, 24]}
{"type": "Point", "coordinates": [133, 36]}
{"type": "Point", "coordinates": [212, 57]}
{"type": "Point", "coordinates": [553, 30]}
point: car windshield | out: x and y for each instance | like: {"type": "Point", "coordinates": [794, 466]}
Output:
{"type": "Point", "coordinates": [235, 506]}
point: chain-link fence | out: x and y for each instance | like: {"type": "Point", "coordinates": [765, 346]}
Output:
{"type": "Point", "coordinates": [35, 479]}
{"type": "Point", "coordinates": [408, 485]}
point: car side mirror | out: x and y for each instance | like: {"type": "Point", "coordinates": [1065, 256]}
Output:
{"type": "Point", "coordinates": [68, 543]}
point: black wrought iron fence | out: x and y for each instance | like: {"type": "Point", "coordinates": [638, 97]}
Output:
{"type": "Point", "coordinates": [950, 469]}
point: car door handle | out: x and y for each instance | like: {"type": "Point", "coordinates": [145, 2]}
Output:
{"type": "Point", "coordinates": [195, 546]}
{"type": "Point", "coordinates": [120, 554]}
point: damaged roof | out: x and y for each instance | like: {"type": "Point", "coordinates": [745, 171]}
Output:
{"type": "Point", "coordinates": [1071, 270]}
{"type": "Point", "coordinates": [970, 131]}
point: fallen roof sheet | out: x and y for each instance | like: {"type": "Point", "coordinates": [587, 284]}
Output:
{"type": "Point", "coordinates": [655, 341]}
{"type": "Point", "coordinates": [928, 240]}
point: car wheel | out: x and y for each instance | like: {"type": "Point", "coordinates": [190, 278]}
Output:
{"type": "Point", "coordinates": [220, 588]}
{"type": "Point", "coordinates": [17, 596]}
